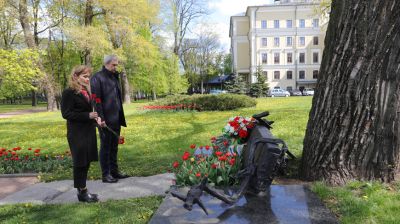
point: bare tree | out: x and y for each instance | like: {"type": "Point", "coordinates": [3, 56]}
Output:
{"type": "Point", "coordinates": [184, 13]}
{"type": "Point", "coordinates": [353, 130]}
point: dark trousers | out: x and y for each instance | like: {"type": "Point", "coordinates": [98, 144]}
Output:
{"type": "Point", "coordinates": [109, 151]}
{"type": "Point", "coordinates": [80, 176]}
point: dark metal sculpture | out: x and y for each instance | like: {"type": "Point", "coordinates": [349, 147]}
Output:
{"type": "Point", "coordinates": [264, 157]}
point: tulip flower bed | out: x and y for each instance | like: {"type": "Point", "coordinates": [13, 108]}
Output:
{"type": "Point", "coordinates": [177, 107]}
{"type": "Point", "coordinates": [219, 162]}
{"type": "Point", "coordinates": [17, 160]}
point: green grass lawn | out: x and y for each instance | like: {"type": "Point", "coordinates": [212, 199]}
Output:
{"type": "Point", "coordinates": [4, 108]}
{"type": "Point", "coordinates": [137, 210]}
{"type": "Point", "coordinates": [155, 139]}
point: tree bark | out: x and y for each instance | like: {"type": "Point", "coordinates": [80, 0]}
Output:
{"type": "Point", "coordinates": [353, 130]}
{"type": "Point", "coordinates": [47, 81]}
{"type": "Point", "coordinates": [125, 88]}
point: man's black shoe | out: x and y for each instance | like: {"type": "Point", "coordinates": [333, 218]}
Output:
{"type": "Point", "coordinates": [119, 175]}
{"type": "Point", "coordinates": [109, 179]}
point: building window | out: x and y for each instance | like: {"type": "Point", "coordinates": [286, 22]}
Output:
{"type": "Point", "coordinates": [289, 24]}
{"type": "Point", "coordinates": [289, 41]}
{"type": "Point", "coordinates": [315, 23]}
{"type": "Point", "coordinates": [289, 88]}
{"type": "Point", "coordinates": [276, 41]}
{"type": "Point", "coordinates": [276, 23]}
{"type": "Point", "coordinates": [264, 42]}
{"type": "Point", "coordinates": [289, 57]}
{"type": "Point", "coordinates": [315, 57]}
{"type": "Point", "coordinates": [277, 75]}
{"type": "Point", "coordinates": [264, 24]}
{"type": "Point", "coordinates": [315, 40]}
{"type": "Point", "coordinates": [302, 41]}
{"type": "Point", "coordinates": [289, 75]}
{"type": "Point", "coordinates": [302, 23]}
{"type": "Point", "coordinates": [265, 74]}
{"type": "Point", "coordinates": [276, 58]}
{"type": "Point", "coordinates": [302, 74]}
{"type": "Point", "coordinates": [264, 58]}
{"type": "Point", "coordinates": [302, 57]}
{"type": "Point", "coordinates": [315, 74]}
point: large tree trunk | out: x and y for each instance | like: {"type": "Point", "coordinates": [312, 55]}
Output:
{"type": "Point", "coordinates": [353, 130]}
{"type": "Point", "coordinates": [88, 22]}
{"type": "Point", "coordinates": [47, 81]}
{"type": "Point", "coordinates": [126, 91]}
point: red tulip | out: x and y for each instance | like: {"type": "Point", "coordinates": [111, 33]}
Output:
{"type": "Point", "coordinates": [37, 150]}
{"type": "Point", "coordinates": [207, 147]}
{"type": "Point", "coordinates": [98, 100]}
{"type": "Point", "coordinates": [13, 153]}
{"type": "Point", "coordinates": [218, 153]}
{"type": "Point", "coordinates": [214, 166]}
{"type": "Point", "coordinates": [232, 161]}
{"type": "Point", "coordinates": [242, 133]}
{"type": "Point", "coordinates": [29, 149]}
{"type": "Point", "coordinates": [186, 155]}
{"type": "Point", "coordinates": [175, 164]}
{"type": "Point", "coordinates": [192, 146]}
{"type": "Point", "coordinates": [198, 174]}
{"type": "Point", "coordinates": [222, 158]}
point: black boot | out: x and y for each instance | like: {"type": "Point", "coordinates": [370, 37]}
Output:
{"type": "Point", "coordinates": [85, 196]}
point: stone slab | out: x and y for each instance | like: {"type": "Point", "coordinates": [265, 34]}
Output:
{"type": "Point", "coordinates": [64, 192]}
{"type": "Point", "coordinates": [10, 185]}
{"type": "Point", "coordinates": [284, 204]}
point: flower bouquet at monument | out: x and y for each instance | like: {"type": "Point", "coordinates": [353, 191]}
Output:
{"type": "Point", "coordinates": [238, 128]}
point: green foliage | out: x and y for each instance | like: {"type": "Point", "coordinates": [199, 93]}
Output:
{"type": "Point", "coordinates": [18, 72]}
{"type": "Point", "coordinates": [208, 102]}
{"type": "Point", "coordinates": [176, 82]}
{"type": "Point", "coordinates": [228, 64]}
{"type": "Point", "coordinates": [260, 88]}
{"type": "Point", "coordinates": [237, 85]}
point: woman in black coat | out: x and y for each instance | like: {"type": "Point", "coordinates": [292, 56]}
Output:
{"type": "Point", "coordinates": [81, 128]}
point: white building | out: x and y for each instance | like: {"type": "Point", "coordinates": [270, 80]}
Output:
{"type": "Point", "coordinates": [286, 39]}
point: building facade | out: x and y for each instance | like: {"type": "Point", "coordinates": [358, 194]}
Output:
{"type": "Point", "coordinates": [284, 39]}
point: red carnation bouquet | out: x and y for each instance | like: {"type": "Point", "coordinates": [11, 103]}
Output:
{"type": "Point", "coordinates": [238, 127]}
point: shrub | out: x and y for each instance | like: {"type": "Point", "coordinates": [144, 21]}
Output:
{"type": "Point", "coordinates": [207, 102]}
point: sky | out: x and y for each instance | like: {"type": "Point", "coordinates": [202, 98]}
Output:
{"type": "Point", "coordinates": [221, 11]}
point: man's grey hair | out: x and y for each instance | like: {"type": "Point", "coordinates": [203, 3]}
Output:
{"type": "Point", "coordinates": [109, 58]}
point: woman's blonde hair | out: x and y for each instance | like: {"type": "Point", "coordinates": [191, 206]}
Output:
{"type": "Point", "coordinates": [77, 71]}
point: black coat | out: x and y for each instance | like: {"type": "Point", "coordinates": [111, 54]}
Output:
{"type": "Point", "coordinates": [81, 130]}
{"type": "Point", "coordinates": [106, 86]}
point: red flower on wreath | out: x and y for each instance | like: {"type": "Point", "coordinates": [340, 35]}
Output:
{"type": "Point", "coordinates": [242, 133]}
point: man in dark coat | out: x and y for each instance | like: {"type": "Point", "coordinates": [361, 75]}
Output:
{"type": "Point", "coordinates": [105, 84]}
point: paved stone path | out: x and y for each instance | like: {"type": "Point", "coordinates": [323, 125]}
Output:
{"type": "Point", "coordinates": [14, 184]}
{"type": "Point", "coordinates": [21, 112]}
{"type": "Point", "coordinates": [64, 192]}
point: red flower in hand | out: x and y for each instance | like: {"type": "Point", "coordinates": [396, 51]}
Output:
{"type": "Point", "coordinates": [121, 140]}
{"type": "Point", "coordinates": [98, 100]}
{"type": "Point", "coordinates": [93, 96]}
{"type": "Point", "coordinates": [175, 164]}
